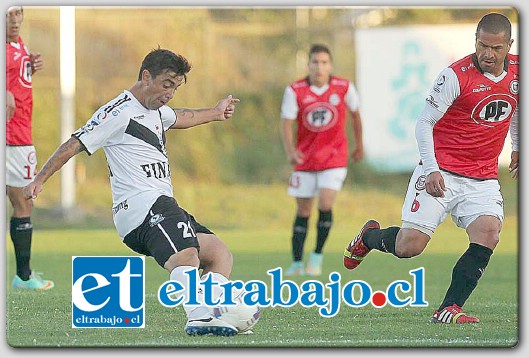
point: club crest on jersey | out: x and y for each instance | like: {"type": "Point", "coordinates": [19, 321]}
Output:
{"type": "Point", "coordinates": [513, 87]}
{"type": "Point", "coordinates": [320, 116]}
{"type": "Point", "coordinates": [156, 219]}
{"type": "Point", "coordinates": [494, 109]}
{"type": "Point", "coordinates": [420, 184]}
{"type": "Point", "coordinates": [32, 157]}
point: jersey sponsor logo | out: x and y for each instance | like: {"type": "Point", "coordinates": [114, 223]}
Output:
{"type": "Point", "coordinates": [320, 116]}
{"type": "Point", "coordinates": [481, 88]}
{"type": "Point", "coordinates": [494, 108]}
{"type": "Point", "coordinates": [157, 170]}
{"type": "Point", "coordinates": [466, 68]}
{"type": "Point", "coordinates": [118, 103]}
{"type": "Point", "coordinates": [123, 205]}
{"type": "Point", "coordinates": [108, 292]}
{"type": "Point", "coordinates": [431, 101]}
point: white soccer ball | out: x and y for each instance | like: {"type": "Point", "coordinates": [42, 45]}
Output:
{"type": "Point", "coordinates": [241, 316]}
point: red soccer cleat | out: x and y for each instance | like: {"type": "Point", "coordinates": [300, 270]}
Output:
{"type": "Point", "coordinates": [453, 314]}
{"type": "Point", "coordinates": [356, 250]}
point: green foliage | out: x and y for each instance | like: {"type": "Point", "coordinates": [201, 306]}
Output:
{"type": "Point", "coordinates": [252, 53]}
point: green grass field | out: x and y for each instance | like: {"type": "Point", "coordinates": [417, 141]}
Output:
{"type": "Point", "coordinates": [44, 319]}
{"type": "Point", "coordinates": [259, 237]}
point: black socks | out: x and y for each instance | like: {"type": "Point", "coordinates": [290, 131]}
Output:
{"type": "Point", "coordinates": [324, 226]}
{"type": "Point", "coordinates": [466, 273]}
{"type": "Point", "coordinates": [21, 231]}
{"type": "Point", "coordinates": [382, 239]}
{"type": "Point", "coordinates": [298, 237]}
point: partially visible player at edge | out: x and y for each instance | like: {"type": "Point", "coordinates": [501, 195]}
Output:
{"type": "Point", "coordinates": [318, 106]}
{"type": "Point", "coordinates": [21, 157]}
{"type": "Point", "coordinates": [131, 130]}
{"type": "Point", "coordinates": [460, 134]}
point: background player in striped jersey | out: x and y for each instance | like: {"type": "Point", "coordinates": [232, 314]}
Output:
{"type": "Point", "coordinates": [131, 130]}
{"type": "Point", "coordinates": [318, 104]}
{"type": "Point", "coordinates": [460, 133]}
{"type": "Point", "coordinates": [21, 158]}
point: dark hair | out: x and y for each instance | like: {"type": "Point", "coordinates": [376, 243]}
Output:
{"type": "Point", "coordinates": [317, 48]}
{"type": "Point", "coordinates": [495, 23]}
{"type": "Point", "coordinates": [160, 60]}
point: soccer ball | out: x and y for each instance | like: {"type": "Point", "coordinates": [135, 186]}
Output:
{"type": "Point", "coordinates": [241, 316]}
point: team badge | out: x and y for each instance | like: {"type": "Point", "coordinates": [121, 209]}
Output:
{"type": "Point", "coordinates": [494, 109]}
{"type": "Point", "coordinates": [420, 184]}
{"type": "Point", "coordinates": [320, 116]}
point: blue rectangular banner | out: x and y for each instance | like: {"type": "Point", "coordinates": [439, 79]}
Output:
{"type": "Point", "coordinates": [108, 292]}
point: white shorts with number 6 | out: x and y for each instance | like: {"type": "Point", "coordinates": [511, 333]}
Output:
{"type": "Point", "coordinates": [465, 199]}
{"type": "Point", "coordinates": [21, 165]}
{"type": "Point", "coordinates": [308, 184]}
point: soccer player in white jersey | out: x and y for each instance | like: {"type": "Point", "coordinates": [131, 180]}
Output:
{"type": "Point", "coordinates": [460, 133]}
{"type": "Point", "coordinates": [131, 130]}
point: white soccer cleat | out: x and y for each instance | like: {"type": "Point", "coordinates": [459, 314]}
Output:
{"type": "Point", "coordinates": [209, 325]}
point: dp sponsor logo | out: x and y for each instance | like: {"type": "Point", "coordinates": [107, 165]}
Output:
{"type": "Point", "coordinates": [108, 292]}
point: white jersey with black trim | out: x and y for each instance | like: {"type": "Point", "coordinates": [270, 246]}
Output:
{"type": "Point", "coordinates": [133, 138]}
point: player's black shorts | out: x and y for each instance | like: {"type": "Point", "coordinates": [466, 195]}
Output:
{"type": "Point", "coordinates": [166, 230]}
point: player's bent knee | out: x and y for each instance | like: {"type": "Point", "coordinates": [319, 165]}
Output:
{"type": "Point", "coordinates": [185, 257]}
{"type": "Point", "coordinates": [410, 243]}
{"type": "Point", "coordinates": [213, 249]}
{"type": "Point", "coordinates": [407, 252]}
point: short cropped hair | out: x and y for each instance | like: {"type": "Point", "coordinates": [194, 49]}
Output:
{"type": "Point", "coordinates": [160, 60]}
{"type": "Point", "coordinates": [317, 48]}
{"type": "Point", "coordinates": [495, 23]}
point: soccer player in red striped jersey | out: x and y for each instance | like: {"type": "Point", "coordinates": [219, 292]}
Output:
{"type": "Point", "coordinates": [21, 159]}
{"type": "Point", "coordinates": [460, 134]}
{"type": "Point", "coordinates": [319, 105]}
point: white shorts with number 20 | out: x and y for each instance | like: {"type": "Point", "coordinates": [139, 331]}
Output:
{"type": "Point", "coordinates": [308, 184]}
{"type": "Point", "coordinates": [21, 165]}
{"type": "Point", "coordinates": [465, 199]}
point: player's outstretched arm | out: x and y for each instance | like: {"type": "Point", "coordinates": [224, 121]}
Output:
{"type": "Point", "coordinates": [67, 150]}
{"type": "Point", "coordinates": [187, 118]}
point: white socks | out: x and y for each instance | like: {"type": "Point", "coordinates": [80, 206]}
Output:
{"type": "Point", "coordinates": [197, 312]}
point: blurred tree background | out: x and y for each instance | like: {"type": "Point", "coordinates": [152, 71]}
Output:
{"type": "Point", "coordinates": [252, 53]}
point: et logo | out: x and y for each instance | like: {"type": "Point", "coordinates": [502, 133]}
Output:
{"type": "Point", "coordinates": [108, 292]}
